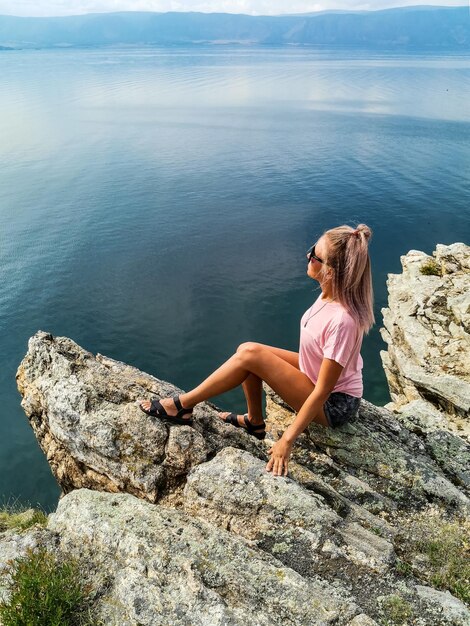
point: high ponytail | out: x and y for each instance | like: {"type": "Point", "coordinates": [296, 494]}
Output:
{"type": "Point", "coordinates": [349, 270]}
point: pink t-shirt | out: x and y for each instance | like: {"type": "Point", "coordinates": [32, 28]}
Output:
{"type": "Point", "coordinates": [332, 333]}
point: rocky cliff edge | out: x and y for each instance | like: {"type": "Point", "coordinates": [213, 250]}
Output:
{"type": "Point", "coordinates": [178, 525]}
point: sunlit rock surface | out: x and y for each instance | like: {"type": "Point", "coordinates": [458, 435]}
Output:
{"type": "Point", "coordinates": [427, 329]}
{"type": "Point", "coordinates": [85, 414]}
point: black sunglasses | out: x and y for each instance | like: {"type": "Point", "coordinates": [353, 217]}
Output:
{"type": "Point", "coordinates": [312, 255]}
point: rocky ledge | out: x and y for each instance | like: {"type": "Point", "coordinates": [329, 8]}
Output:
{"type": "Point", "coordinates": [427, 329]}
{"type": "Point", "coordinates": [178, 525]}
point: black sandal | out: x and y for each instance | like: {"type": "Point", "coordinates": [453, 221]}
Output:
{"type": "Point", "coordinates": [157, 410]}
{"type": "Point", "coordinates": [232, 418]}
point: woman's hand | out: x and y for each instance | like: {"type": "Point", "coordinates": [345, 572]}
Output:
{"type": "Point", "coordinates": [280, 456]}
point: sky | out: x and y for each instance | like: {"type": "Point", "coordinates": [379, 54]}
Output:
{"type": "Point", "coordinates": [249, 7]}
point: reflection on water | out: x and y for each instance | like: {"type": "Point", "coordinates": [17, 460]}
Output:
{"type": "Point", "coordinates": [157, 203]}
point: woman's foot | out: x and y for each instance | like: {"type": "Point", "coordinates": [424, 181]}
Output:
{"type": "Point", "coordinates": [170, 407]}
{"type": "Point", "coordinates": [255, 426]}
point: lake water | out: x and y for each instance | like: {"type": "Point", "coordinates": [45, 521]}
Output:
{"type": "Point", "coordinates": [156, 204]}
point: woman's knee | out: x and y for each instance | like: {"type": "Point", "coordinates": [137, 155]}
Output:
{"type": "Point", "coordinates": [249, 350]}
{"type": "Point", "coordinates": [249, 345]}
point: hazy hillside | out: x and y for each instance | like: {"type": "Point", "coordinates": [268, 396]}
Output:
{"type": "Point", "coordinates": [421, 27]}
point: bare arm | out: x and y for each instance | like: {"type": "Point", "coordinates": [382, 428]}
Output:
{"type": "Point", "coordinates": [328, 376]}
{"type": "Point", "coordinates": [280, 451]}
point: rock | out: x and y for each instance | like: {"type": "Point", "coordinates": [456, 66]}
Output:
{"type": "Point", "coordinates": [427, 329]}
{"type": "Point", "coordinates": [161, 565]}
{"type": "Point", "coordinates": [362, 620]}
{"type": "Point", "coordinates": [455, 611]}
{"type": "Point", "coordinates": [419, 416]}
{"type": "Point", "coordinates": [452, 454]}
{"type": "Point", "coordinates": [165, 567]}
{"type": "Point", "coordinates": [291, 522]}
{"type": "Point", "coordinates": [394, 463]}
{"type": "Point", "coordinates": [84, 412]}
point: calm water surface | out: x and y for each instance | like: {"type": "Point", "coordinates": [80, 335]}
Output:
{"type": "Point", "coordinates": [156, 204]}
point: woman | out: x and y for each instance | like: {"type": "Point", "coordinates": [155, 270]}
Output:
{"type": "Point", "coordinates": [323, 381]}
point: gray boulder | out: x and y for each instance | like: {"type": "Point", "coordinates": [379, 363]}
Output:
{"type": "Point", "coordinates": [84, 412]}
{"type": "Point", "coordinates": [427, 329]}
{"type": "Point", "coordinates": [167, 568]}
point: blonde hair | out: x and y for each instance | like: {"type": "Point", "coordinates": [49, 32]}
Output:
{"type": "Point", "coordinates": [347, 266]}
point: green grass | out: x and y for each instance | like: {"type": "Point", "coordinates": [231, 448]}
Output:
{"type": "Point", "coordinates": [404, 568]}
{"type": "Point", "coordinates": [449, 557]}
{"type": "Point", "coordinates": [46, 590]}
{"type": "Point", "coordinates": [21, 520]}
{"type": "Point", "coordinates": [396, 610]}
{"type": "Point", "coordinates": [431, 268]}
{"type": "Point", "coordinates": [445, 546]}
{"type": "Point", "coordinates": [16, 516]}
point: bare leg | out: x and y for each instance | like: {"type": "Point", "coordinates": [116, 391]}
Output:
{"type": "Point", "coordinates": [228, 376]}
{"type": "Point", "coordinates": [253, 390]}
{"type": "Point", "coordinates": [252, 385]}
{"type": "Point", "coordinates": [285, 379]}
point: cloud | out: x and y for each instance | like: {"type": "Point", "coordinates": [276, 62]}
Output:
{"type": "Point", "coordinates": [43, 8]}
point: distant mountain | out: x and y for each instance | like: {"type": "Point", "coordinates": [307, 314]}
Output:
{"type": "Point", "coordinates": [414, 27]}
{"type": "Point", "coordinates": [417, 7]}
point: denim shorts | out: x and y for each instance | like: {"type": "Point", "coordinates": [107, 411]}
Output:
{"type": "Point", "coordinates": [340, 408]}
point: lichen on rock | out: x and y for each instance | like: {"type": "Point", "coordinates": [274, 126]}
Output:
{"type": "Point", "coordinates": [427, 330]}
